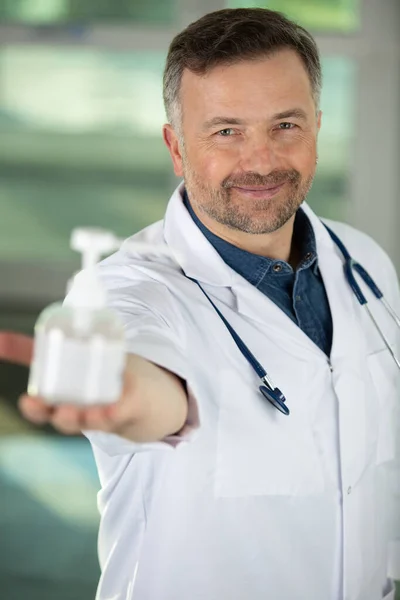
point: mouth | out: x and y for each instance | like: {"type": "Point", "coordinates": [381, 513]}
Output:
{"type": "Point", "coordinates": [267, 191]}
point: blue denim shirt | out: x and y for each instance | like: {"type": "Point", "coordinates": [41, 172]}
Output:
{"type": "Point", "coordinates": [300, 294]}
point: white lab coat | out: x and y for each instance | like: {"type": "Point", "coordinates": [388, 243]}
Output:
{"type": "Point", "coordinates": [252, 505]}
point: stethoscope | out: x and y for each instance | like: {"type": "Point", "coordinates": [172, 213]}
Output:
{"type": "Point", "coordinates": [268, 389]}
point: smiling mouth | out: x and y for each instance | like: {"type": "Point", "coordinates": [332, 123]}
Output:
{"type": "Point", "coordinates": [259, 192]}
{"type": "Point", "coordinates": [259, 189]}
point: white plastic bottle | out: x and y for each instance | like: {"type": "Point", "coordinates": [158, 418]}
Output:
{"type": "Point", "coordinates": [79, 348]}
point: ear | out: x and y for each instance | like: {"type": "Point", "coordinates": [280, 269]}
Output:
{"type": "Point", "coordinates": [172, 142]}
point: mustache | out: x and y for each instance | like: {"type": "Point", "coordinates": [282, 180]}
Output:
{"type": "Point", "coordinates": [255, 179]}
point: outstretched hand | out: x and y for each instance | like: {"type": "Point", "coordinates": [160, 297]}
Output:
{"type": "Point", "coordinates": [66, 418]}
{"type": "Point", "coordinates": [153, 403]}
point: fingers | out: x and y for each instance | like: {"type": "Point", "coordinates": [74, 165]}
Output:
{"type": "Point", "coordinates": [34, 409]}
{"type": "Point", "coordinates": [16, 347]}
{"type": "Point", "coordinates": [70, 419]}
{"type": "Point", "coordinates": [67, 419]}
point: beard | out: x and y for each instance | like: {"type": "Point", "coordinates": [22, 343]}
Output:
{"type": "Point", "coordinates": [257, 216]}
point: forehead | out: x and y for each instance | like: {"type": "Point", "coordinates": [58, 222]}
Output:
{"type": "Point", "coordinates": [268, 84]}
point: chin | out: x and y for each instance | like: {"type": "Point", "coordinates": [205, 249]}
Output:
{"type": "Point", "coordinates": [270, 221]}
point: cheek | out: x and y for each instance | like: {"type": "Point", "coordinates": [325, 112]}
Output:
{"type": "Point", "coordinates": [300, 152]}
{"type": "Point", "coordinates": [214, 165]}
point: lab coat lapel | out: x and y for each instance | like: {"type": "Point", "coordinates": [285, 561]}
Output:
{"type": "Point", "coordinates": [197, 258]}
{"type": "Point", "coordinates": [357, 406]}
{"type": "Point", "coordinates": [345, 310]}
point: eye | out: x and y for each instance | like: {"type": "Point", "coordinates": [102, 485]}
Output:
{"type": "Point", "coordinates": [226, 132]}
{"type": "Point", "coordinates": [286, 126]}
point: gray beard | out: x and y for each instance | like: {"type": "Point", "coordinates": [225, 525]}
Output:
{"type": "Point", "coordinates": [266, 215]}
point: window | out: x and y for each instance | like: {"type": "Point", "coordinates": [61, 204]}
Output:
{"type": "Point", "coordinates": [77, 11]}
{"type": "Point", "coordinates": [80, 144]}
{"type": "Point", "coordinates": [330, 194]}
{"type": "Point", "coordinates": [322, 15]}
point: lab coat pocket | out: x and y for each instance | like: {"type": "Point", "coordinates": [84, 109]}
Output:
{"type": "Point", "coordinates": [385, 379]}
{"type": "Point", "coordinates": [261, 452]}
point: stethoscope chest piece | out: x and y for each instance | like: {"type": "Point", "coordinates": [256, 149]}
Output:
{"type": "Point", "coordinates": [276, 398]}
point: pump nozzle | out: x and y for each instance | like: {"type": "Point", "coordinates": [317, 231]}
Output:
{"type": "Point", "coordinates": [93, 243]}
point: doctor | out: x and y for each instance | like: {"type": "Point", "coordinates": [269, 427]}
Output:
{"type": "Point", "coordinates": [208, 492]}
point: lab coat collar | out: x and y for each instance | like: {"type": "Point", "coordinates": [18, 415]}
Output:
{"type": "Point", "coordinates": [195, 255]}
{"type": "Point", "coordinates": [198, 258]}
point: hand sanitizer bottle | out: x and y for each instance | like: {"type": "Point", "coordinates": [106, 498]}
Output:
{"type": "Point", "coordinates": [79, 348]}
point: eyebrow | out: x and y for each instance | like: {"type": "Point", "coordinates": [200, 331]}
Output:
{"type": "Point", "coordinates": [296, 113]}
{"type": "Point", "coordinates": [216, 121]}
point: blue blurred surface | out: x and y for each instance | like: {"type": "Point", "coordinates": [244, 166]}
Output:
{"type": "Point", "coordinates": [48, 518]}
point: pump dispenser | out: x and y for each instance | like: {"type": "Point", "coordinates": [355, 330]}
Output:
{"type": "Point", "coordinates": [79, 349]}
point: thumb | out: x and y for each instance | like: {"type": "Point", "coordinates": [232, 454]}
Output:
{"type": "Point", "coordinates": [16, 347]}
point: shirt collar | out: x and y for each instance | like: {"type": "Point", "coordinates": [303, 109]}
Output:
{"type": "Point", "coordinates": [254, 267]}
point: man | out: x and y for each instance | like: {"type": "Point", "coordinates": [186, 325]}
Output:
{"type": "Point", "coordinates": [209, 492]}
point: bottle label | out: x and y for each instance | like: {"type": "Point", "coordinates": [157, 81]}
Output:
{"type": "Point", "coordinates": [68, 370]}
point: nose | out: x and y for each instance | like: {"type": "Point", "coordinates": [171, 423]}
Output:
{"type": "Point", "coordinates": [259, 155]}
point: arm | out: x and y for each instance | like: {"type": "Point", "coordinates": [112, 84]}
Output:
{"type": "Point", "coordinates": [154, 403]}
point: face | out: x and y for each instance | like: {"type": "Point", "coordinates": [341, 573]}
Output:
{"type": "Point", "coordinates": [249, 133]}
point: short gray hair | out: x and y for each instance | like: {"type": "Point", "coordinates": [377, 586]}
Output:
{"type": "Point", "coordinates": [227, 36]}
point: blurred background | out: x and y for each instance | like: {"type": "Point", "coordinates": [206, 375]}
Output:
{"type": "Point", "coordinates": [80, 144]}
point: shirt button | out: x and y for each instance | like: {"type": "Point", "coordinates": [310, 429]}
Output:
{"type": "Point", "coordinates": [308, 256]}
{"type": "Point", "coordinates": [277, 268]}
{"type": "Point", "coordinates": [349, 490]}
{"type": "Point", "coordinates": [298, 298]}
